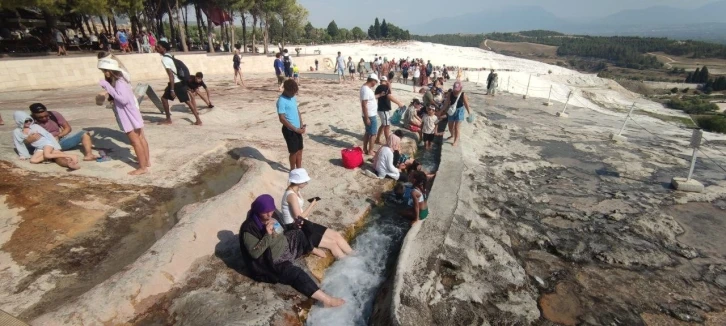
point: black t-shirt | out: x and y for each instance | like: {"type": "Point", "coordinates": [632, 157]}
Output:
{"type": "Point", "coordinates": [192, 84]}
{"type": "Point", "coordinates": [384, 104]}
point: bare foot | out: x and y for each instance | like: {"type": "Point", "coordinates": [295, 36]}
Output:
{"type": "Point", "coordinates": [139, 171]}
{"type": "Point", "coordinates": [165, 122]}
{"type": "Point", "coordinates": [333, 302]}
{"type": "Point", "coordinates": [90, 158]}
{"type": "Point", "coordinates": [319, 252]}
{"type": "Point", "coordinates": [454, 144]}
{"type": "Point", "coordinates": [198, 123]}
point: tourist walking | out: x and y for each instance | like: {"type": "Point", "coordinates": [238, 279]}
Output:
{"type": "Point", "coordinates": [279, 71]}
{"type": "Point", "coordinates": [369, 107]}
{"type": "Point", "coordinates": [456, 102]}
{"type": "Point", "coordinates": [316, 64]}
{"type": "Point", "coordinates": [176, 88]}
{"type": "Point", "coordinates": [287, 62]}
{"type": "Point", "coordinates": [492, 83]}
{"type": "Point", "coordinates": [416, 76]}
{"type": "Point", "coordinates": [60, 42]}
{"type": "Point", "coordinates": [351, 68]}
{"type": "Point", "coordinates": [294, 216]}
{"type": "Point", "coordinates": [340, 67]}
{"type": "Point", "coordinates": [126, 110]}
{"type": "Point", "coordinates": [292, 126]}
{"type": "Point", "coordinates": [269, 252]}
{"type": "Point", "coordinates": [361, 68]}
{"type": "Point", "coordinates": [236, 65]}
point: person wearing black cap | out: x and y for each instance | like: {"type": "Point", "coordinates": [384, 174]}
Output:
{"type": "Point", "coordinates": [58, 126]}
{"type": "Point", "coordinates": [176, 87]}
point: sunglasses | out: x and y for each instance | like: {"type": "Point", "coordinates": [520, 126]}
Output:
{"type": "Point", "coordinates": [28, 120]}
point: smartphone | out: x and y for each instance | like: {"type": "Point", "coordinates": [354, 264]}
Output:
{"type": "Point", "coordinates": [314, 198]}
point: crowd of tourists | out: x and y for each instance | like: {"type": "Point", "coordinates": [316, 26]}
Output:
{"type": "Point", "coordinates": [272, 241]}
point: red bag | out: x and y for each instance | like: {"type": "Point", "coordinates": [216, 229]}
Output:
{"type": "Point", "coordinates": [414, 128]}
{"type": "Point", "coordinates": [352, 157]}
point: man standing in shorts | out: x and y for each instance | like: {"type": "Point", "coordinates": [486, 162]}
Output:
{"type": "Point", "coordinates": [384, 95]}
{"type": "Point", "coordinates": [176, 88]}
{"type": "Point", "coordinates": [291, 119]}
{"type": "Point", "coordinates": [340, 67]}
{"type": "Point", "coordinates": [279, 71]}
{"type": "Point", "coordinates": [369, 107]}
{"type": "Point", "coordinates": [60, 41]}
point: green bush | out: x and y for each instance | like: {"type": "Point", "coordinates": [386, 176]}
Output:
{"type": "Point", "coordinates": [692, 105]}
{"type": "Point", "coordinates": [712, 123]}
{"type": "Point", "coordinates": [674, 90]}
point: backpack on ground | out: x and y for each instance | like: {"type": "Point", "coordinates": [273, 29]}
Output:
{"type": "Point", "coordinates": [182, 72]}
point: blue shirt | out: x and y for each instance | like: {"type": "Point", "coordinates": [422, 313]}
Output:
{"type": "Point", "coordinates": [278, 67]}
{"type": "Point", "coordinates": [288, 107]}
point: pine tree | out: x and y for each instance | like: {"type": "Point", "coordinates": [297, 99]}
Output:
{"type": "Point", "coordinates": [689, 78]}
{"type": "Point", "coordinates": [696, 75]}
{"type": "Point", "coordinates": [703, 76]}
{"type": "Point", "coordinates": [377, 29]}
{"type": "Point", "coordinates": [384, 29]}
{"type": "Point", "coordinates": [333, 29]}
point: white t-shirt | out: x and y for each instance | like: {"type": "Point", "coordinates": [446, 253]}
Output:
{"type": "Point", "coordinates": [416, 73]}
{"type": "Point", "coordinates": [366, 93]}
{"type": "Point", "coordinates": [169, 64]}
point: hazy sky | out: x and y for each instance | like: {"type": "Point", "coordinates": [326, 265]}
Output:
{"type": "Point", "coordinates": [348, 13]}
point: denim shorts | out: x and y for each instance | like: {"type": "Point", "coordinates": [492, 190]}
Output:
{"type": "Point", "coordinates": [458, 116]}
{"type": "Point", "coordinates": [371, 130]}
{"type": "Point", "coordinates": [71, 140]}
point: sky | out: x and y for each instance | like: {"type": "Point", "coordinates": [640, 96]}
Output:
{"type": "Point", "coordinates": [348, 13]}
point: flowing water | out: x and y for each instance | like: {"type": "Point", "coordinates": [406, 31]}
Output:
{"type": "Point", "coordinates": [357, 278]}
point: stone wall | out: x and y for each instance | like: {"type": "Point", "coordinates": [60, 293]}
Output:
{"type": "Point", "coordinates": [54, 72]}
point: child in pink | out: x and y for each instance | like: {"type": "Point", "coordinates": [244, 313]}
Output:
{"type": "Point", "coordinates": [126, 108]}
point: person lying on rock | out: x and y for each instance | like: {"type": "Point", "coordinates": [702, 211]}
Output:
{"type": "Point", "coordinates": [269, 252]}
{"type": "Point", "coordinates": [45, 145]}
{"type": "Point", "coordinates": [294, 217]}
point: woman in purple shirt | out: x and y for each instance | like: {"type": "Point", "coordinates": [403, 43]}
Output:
{"type": "Point", "coordinates": [126, 108]}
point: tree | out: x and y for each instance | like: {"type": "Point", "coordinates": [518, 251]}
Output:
{"type": "Point", "coordinates": [276, 30]}
{"type": "Point", "coordinates": [696, 76]}
{"type": "Point", "coordinates": [384, 29]}
{"type": "Point", "coordinates": [371, 32]}
{"type": "Point", "coordinates": [376, 29]}
{"type": "Point", "coordinates": [703, 76]}
{"type": "Point", "coordinates": [333, 30]}
{"type": "Point", "coordinates": [309, 31]}
{"type": "Point", "coordinates": [357, 34]}
{"type": "Point", "coordinates": [689, 78]}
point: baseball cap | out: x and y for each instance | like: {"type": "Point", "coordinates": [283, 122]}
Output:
{"type": "Point", "coordinates": [299, 176]}
{"type": "Point", "coordinates": [374, 77]}
{"type": "Point", "coordinates": [164, 45]}
{"type": "Point", "coordinates": [384, 78]}
{"type": "Point", "coordinates": [37, 108]}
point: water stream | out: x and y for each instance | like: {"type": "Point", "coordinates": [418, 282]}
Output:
{"type": "Point", "coordinates": [358, 278]}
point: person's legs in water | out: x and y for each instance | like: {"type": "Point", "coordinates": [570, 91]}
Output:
{"type": "Point", "coordinates": [303, 283]}
{"type": "Point", "coordinates": [332, 245]}
{"type": "Point", "coordinates": [340, 241]}
{"type": "Point", "coordinates": [134, 139]}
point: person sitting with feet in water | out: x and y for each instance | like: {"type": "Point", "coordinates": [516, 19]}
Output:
{"type": "Point", "coordinates": [126, 109]}
{"type": "Point", "coordinates": [418, 199]}
{"type": "Point", "coordinates": [294, 217]}
{"type": "Point", "coordinates": [176, 88]}
{"type": "Point", "coordinates": [56, 124]}
{"type": "Point", "coordinates": [269, 252]}
{"type": "Point", "coordinates": [45, 145]}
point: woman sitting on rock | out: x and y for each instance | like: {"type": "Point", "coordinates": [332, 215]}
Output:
{"type": "Point", "coordinates": [384, 162]}
{"type": "Point", "coordinates": [269, 252]}
{"type": "Point", "coordinates": [294, 217]}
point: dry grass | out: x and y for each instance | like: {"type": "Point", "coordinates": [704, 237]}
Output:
{"type": "Point", "coordinates": [715, 66]}
{"type": "Point", "coordinates": [523, 49]}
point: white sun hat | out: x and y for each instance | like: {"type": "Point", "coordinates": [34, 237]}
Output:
{"type": "Point", "coordinates": [299, 176]}
{"type": "Point", "coordinates": [108, 64]}
{"type": "Point", "coordinates": [374, 76]}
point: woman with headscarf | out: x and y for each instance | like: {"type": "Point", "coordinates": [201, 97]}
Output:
{"type": "Point", "coordinates": [458, 99]}
{"type": "Point", "coordinates": [294, 216]}
{"type": "Point", "coordinates": [269, 253]}
{"type": "Point", "coordinates": [384, 162]}
{"type": "Point", "coordinates": [126, 108]}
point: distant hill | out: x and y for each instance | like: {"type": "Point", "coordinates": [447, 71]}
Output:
{"type": "Point", "coordinates": [704, 23]}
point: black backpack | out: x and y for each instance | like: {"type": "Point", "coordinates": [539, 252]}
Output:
{"type": "Point", "coordinates": [182, 72]}
{"type": "Point", "coordinates": [286, 61]}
